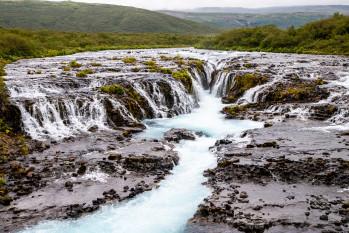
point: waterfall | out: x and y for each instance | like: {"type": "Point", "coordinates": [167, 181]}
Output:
{"type": "Point", "coordinates": [55, 105]}
{"type": "Point", "coordinates": [221, 83]}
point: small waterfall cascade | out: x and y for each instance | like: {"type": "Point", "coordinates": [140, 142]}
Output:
{"type": "Point", "coordinates": [55, 105]}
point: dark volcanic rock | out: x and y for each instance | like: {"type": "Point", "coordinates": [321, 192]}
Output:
{"type": "Point", "coordinates": [175, 135]}
{"type": "Point", "coordinates": [64, 184]}
{"type": "Point", "coordinates": [283, 182]}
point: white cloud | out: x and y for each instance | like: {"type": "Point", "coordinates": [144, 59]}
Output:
{"type": "Point", "coordinates": [186, 4]}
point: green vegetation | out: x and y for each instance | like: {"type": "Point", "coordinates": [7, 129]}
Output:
{"type": "Point", "coordinates": [84, 73]}
{"type": "Point", "coordinates": [129, 60]}
{"type": "Point", "coordinates": [329, 36]}
{"type": "Point", "coordinates": [74, 64]}
{"type": "Point", "coordinates": [2, 181]}
{"type": "Point", "coordinates": [82, 17]}
{"type": "Point", "coordinates": [113, 89]}
{"type": "Point", "coordinates": [297, 91]}
{"type": "Point", "coordinates": [152, 66]}
{"type": "Point", "coordinates": [184, 77]}
{"type": "Point", "coordinates": [244, 82]}
{"type": "Point", "coordinates": [199, 64]}
{"type": "Point", "coordinates": [239, 20]}
{"type": "Point", "coordinates": [164, 70]}
{"type": "Point", "coordinates": [235, 110]}
{"type": "Point", "coordinates": [19, 43]}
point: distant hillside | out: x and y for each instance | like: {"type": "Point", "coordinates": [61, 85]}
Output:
{"type": "Point", "coordinates": [232, 20]}
{"type": "Point", "coordinates": [71, 16]}
{"type": "Point", "coordinates": [328, 36]}
{"type": "Point", "coordinates": [284, 17]}
{"type": "Point", "coordinates": [324, 9]}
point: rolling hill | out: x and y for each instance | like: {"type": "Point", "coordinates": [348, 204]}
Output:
{"type": "Point", "coordinates": [81, 17]}
{"type": "Point", "coordinates": [283, 17]}
{"type": "Point", "coordinates": [324, 9]}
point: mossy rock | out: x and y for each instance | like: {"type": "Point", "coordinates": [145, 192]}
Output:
{"type": "Point", "coordinates": [235, 111]}
{"type": "Point", "coordinates": [184, 77]}
{"type": "Point", "coordinates": [129, 60]}
{"type": "Point", "coordinates": [84, 73]}
{"type": "Point", "coordinates": [242, 83]}
{"type": "Point", "coordinates": [74, 64]}
{"type": "Point", "coordinates": [5, 200]}
{"type": "Point", "coordinates": [114, 89]}
{"type": "Point", "coordinates": [300, 91]}
{"type": "Point", "coordinates": [198, 64]}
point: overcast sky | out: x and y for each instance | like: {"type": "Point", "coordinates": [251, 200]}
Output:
{"type": "Point", "coordinates": [187, 4]}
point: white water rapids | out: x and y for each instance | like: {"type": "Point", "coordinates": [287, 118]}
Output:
{"type": "Point", "coordinates": [168, 208]}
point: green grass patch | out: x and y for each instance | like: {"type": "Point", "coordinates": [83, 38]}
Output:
{"type": "Point", "coordinates": [129, 60]}
{"type": "Point", "coordinates": [184, 77]}
{"type": "Point", "coordinates": [74, 64]}
{"type": "Point", "coordinates": [84, 73]}
{"type": "Point", "coordinates": [115, 89]}
{"type": "Point", "coordinates": [2, 181]}
{"type": "Point", "coordinates": [234, 110]}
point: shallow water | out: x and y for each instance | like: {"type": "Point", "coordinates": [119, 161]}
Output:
{"type": "Point", "coordinates": [168, 208]}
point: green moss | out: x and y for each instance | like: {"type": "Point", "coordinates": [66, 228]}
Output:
{"type": "Point", "coordinates": [320, 82]}
{"type": "Point", "coordinates": [135, 69]}
{"type": "Point", "coordinates": [84, 73]}
{"type": "Point", "coordinates": [152, 66]}
{"type": "Point", "coordinates": [23, 146]}
{"type": "Point", "coordinates": [296, 93]}
{"type": "Point", "coordinates": [199, 64]}
{"type": "Point", "coordinates": [113, 89]}
{"type": "Point", "coordinates": [235, 110]}
{"type": "Point", "coordinates": [129, 60]}
{"type": "Point", "coordinates": [179, 61]}
{"type": "Point", "coordinates": [184, 77]}
{"type": "Point", "coordinates": [66, 68]}
{"type": "Point", "coordinates": [165, 58]}
{"type": "Point", "coordinates": [4, 127]}
{"type": "Point", "coordinates": [2, 181]}
{"type": "Point", "coordinates": [5, 200]}
{"type": "Point", "coordinates": [74, 64]}
{"type": "Point", "coordinates": [300, 91]}
{"type": "Point", "coordinates": [165, 70]}
{"type": "Point", "coordinates": [249, 65]}
{"type": "Point", "coordinates": [133, 94]}
{"type": "Point", "coordinates": [244, 82]}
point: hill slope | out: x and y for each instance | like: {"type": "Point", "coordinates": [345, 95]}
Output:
{"type": "Point", "coordinates": [325, 9]}
{"type": "Point", "coordinates": [284, 17]}
{"type": "Point", "coordinates": [232, 20]}
{"type": "Point", "coordinates": [328, 36]}
{"type": "Point", "coordinates": [71, 16]}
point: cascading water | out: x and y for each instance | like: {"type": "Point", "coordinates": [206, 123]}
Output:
{"type": "Point", "coordinates": [55, 104]}
{"type": "Point", "coordinates": [168, 208]}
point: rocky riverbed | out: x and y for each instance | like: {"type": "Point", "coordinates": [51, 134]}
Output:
{"type": "Point", "coordinates": [85, 111]}
{"type": "Point", "coordinates": [292, 175]}
{"type": "Point", "coordinates": [77, 176]}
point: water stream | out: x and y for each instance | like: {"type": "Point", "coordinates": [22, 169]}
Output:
{"type": "Point", "coordinates": [168, 208]}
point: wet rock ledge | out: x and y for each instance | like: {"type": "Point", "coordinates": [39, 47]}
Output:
{"type": "Point", "coordinates": [77, 176]}
{"type": "Point", "coordinates": [287, 178]}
